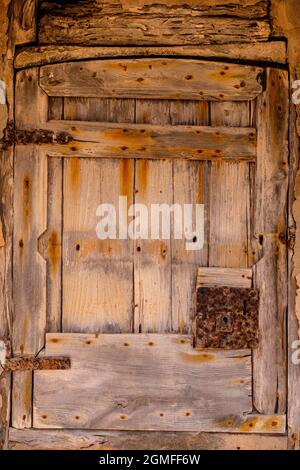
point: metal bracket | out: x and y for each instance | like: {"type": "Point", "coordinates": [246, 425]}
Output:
{"type": "Point", "coordinates": [227, 318]}
{"type": "Point", "coordinates": [23, 363]}
{"type": "Point", "coordinates": [14, 136]}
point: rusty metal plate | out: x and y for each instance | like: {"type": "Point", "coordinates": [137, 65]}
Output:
{"type": "Point", "coordinates": [30, 363]}
{"type": "Point", "coordinates": [227, 318]}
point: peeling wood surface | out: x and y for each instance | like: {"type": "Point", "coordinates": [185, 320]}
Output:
{"type": "Point", "coordinates": [153, 78]}
{"type": "Point", "coordinates": [91, 139]}
{"type": "Point", "coordinates": [185, 23]}
{"type": "Point", "coordinates": [274, 51]}
{"type": "Point", "coordinates": [37, 439]}
{"type": "Point", "coordinates": [269, 370]}
{"type": "Point", "coordinates": [165, 8]}
{"type": "Point", "coordinates": [128, 399]}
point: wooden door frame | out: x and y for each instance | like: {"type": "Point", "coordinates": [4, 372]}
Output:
{"type": "Point", "coordinates": [21, 29]}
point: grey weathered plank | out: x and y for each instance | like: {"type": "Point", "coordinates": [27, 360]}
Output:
{"type": "Point", "coordinates": [269, 366]}
{"type": "Point", "coordinates": [272, 51]}
{"type": "Point", "coordinates": [37, 439]}
{"type": "Point", "coordinates": [155, 78]}
{"type": "Point", "coordinates": [112, 140]}
{"type": "Point", "coordinates": [145, 382]}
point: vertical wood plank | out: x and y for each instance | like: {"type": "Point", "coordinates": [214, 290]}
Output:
{"type": "Point", "coordinates": [230, 200]}
{"type": "Point", "coordinates": [30, 221]}
{"type": "Point", "coordinates": [269, 367]}
{"type": "Point", "coordinates": [190, 186]}
{"type": "Point", "coordinates": [97, 274]}
{"type": "Point", "coordinates": [152, 258]}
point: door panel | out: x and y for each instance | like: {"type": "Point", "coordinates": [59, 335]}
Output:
{"type": "Point", "coordinates": [118, 307]}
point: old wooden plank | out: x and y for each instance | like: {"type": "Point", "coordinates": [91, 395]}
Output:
{"type": "Point", "coordinates": [230, 201]}
{"type": "Point", "coordinates": [293, 294]}
{"type": "Point", "coordinates": [37, 439]}
{"type": "Point", "coordinates": [123, 368]}
{"type": "Point", "coordinates": [165, 8]}
{"type": "Point", "coordinates": [29, 269]}
{"type": "Point", "coordinates": [193, 142]}
{"type": "Point", "coordinates": [230, 277]}
{"type": "Point", "coordinates": [272, 51]}
{"type": "Point", "coordinates": [50, 244]}
{"type": "Point", "coordinates": [24, 13]}
{"type": "Point", "coordinates": [152, 257]}
{"type": "Point", "coordinates": [190, 186]}
{"type": "Point", "coordinates": [99, 271]}
{"type": "Point", "coordinates": [269, 367]}
{"type": "Point", "coordinates": [157, 25]}
{"type": "Point", "coordinates": [155, 78]}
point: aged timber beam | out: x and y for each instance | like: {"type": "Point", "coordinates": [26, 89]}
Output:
{"type": "Point", "coordinates": [273, 52]}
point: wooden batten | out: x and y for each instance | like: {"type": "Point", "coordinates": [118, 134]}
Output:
{"type": "Point", "coordinates": [179, 79]}
{"type": "Point", "coordinates": [273, 51]}
{"type": "Point", "coordinates": [43, 439]}
{"type": "Point", "coordinates": [109, 140]}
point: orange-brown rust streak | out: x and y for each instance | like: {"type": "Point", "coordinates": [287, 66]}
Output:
{"type": "Point", "coordinates": [186, 357]}
{"type": "Point", "coordinates": [26, 199]}
{"type": "Point", "coordinates": [54, 251]}
{"type": "Point", "coordinates": [126, 178]}
{"type": "Point", "coordinates": [75, 173]}
{"type": "Point", "coordinates": [249, 425]}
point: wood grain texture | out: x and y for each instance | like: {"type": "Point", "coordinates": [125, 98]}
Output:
{"type": "Point", "coordinates": [37, 439]}
{"type": "Point", "coordinates": [99, 272]}
{"type": "Point", "coordinates": [230, 204]}
{"type": "Point", "coordinates": [269, 370]}
{"type": "Point", "coordinates": [124, 369]}
{"type": "Point", "coordinates": [230, 277]}
{"type": "Point", "coordinates": [272, 51]}
{"type": "Point", "coordinates": [152, 78]}
{"type": "Point", "coordinates": [24, 21]}
{"type": "Point", "coordinates": [293, 291]}
{"type": "Point", "coordinates": [249, 8]}
{"type": "Point", "coordinates": [132, 23]}
{"type": "Point", "coordinates": [153, 141]}
{"type": "Point", "coordinates": [30, 221]}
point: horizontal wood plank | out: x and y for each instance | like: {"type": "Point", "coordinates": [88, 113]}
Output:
{"type": "Point", "coordinates": [130, 22]}
{"type": "Point", "coordinates": [273, 51]}
{"type": "Point", "coordinates": [153, 79]}
{"type": "Point", "coordinates": [229, 277]}
{"type": "Point", "coordinates": [164, 8]}
{"type": "Point", "coordinates": [109, 140]}
{"type": "Point", "coordinates": [37, 439]}
{"type": "Point", "coordinates": [146, 382]}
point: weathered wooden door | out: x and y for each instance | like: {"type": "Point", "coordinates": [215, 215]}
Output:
{"type": "Point", "coordinates": [158, 131]}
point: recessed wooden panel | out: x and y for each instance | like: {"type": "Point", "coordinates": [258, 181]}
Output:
{"type": "Point", "coordinates": [142, 382]}
{"type": "Point", "coordinates": [152, 78]}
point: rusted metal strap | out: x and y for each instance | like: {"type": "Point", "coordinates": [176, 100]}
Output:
{"type": "Point", "coordinates": [227, 318]}
{"type": "Point", "coordinates": [14, 136]}
{"type": "Point", "coordinates": [32, 363]}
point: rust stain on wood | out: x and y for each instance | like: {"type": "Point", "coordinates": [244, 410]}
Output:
{"type": "Point", "coordinates": [54, 251]}
{"type": "Point", "coordinates": [75, 173]}
{"type": "Point", "coordinates": [26, 199]}
{"type": "Point", "coordinates": [189, 357]}
{"type": "Point", "coordinates": [126, 178]}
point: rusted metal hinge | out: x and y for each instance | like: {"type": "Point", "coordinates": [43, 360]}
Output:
{"type": "Point", "coordinates": [23, 363]}
{"type": "Point", "coordinates": [227, 318]}
{"type": "Point", "coordinates": [14, 136]}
